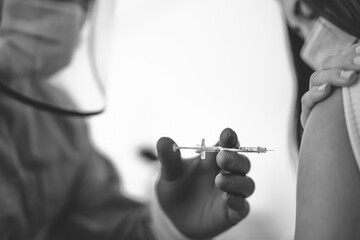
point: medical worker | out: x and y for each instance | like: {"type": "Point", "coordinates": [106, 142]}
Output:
{"type": "Point", "coordinates": [55, 185]}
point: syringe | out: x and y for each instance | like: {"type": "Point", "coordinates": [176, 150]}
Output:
{"type": "Point", "coordinates": [202, 149]}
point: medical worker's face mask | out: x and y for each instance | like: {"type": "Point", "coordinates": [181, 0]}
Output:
{"type": "Point", "coordinates": [324, 40]}
{"type": "Point", "coordinates": [53, 54]}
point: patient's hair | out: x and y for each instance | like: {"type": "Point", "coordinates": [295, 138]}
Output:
{"type": "Point", "coordinates": [343, 13]}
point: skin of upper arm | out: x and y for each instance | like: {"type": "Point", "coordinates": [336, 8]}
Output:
{"type": "Point", "coordinates": [328, 187]}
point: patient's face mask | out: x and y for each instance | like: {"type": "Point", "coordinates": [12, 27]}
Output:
{"type": "Point", "coordinates": [53, 54]}
{"type": "Point", "coordinates": [324, 40]}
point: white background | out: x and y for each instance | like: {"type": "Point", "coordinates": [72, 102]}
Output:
{"type": "Point", "coordinates": [187, 69]}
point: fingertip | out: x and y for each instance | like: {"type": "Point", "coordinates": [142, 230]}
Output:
{"type": "Point", "coordinates": [228, 138]}
{"type": "Point", "coordinates": [322, 92]}
{"type": "Point", "coordinates": [166, 147]}
{"type": "Point", "coordinates": [354, 78]}
{"type": "Point", "coordinates": [323, 87]}
{"type": "Point", "coordinates": [219, 180]}
{"type": "Point", "coordinates": [347, 77]}
{"type": "Point", "coordinates": [164, 142]}
{"type": "Point", "coordinates": [251, 188]}
{"type": "Point", "coordinates": [221, 159]}
{"type": "Point", "coordinates": [236, 216]}
{"type": "Point", "coordinates": [233, 162]}
{"type": "Point", "coordinates": [246, 210]}
{"type": "Point", "coordinates": [225, 197]}
{"type": "Point", "coordinates": [315, 95]}
{"type": "Point", "coordinates": [246, 164]}
{"type": "Point", "coordinates": [170, 160]}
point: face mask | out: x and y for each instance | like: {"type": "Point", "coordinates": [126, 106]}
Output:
{"type": "Point", "coordinates": [324, 40]}
{"type": "Point", "coordinates": [39, 36]}
{"type": "Point", "coordinates": [49, 54]}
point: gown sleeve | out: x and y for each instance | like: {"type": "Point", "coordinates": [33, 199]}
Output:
{"type": "Point", "coordinates": [99, 210]}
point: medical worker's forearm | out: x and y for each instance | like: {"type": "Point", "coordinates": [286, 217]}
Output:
{"type": "Point", "coordinates": [161, 225]}
{"type": "Point", "coordinates": [97, 208]}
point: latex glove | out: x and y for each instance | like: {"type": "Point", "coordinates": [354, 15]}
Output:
{"type": "Point", "coordinates": [200, 199]}
{"type": "Point", "coordinates": [339, 70]}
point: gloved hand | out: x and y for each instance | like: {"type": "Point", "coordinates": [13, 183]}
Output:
{"type": "Point", "coordinates": [204, 197]}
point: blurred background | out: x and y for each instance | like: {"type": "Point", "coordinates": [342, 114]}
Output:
{"type": "Point", "coordinates": [188, 69]}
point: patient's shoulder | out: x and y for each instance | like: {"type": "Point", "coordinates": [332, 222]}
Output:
{"type": "Point", "coordinates": [328, 176]}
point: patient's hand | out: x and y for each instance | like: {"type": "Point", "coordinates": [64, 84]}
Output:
{"type": "Point", "coordinates": [339, 70]}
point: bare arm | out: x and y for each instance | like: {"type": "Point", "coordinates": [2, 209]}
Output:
{"type": "Point", "coordinates": [328, 190]}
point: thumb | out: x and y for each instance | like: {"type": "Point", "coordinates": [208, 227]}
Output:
{"type": "Point", "coordinates": [228, 138]}
{"type": "Point", "coordinates": [171, 163]}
